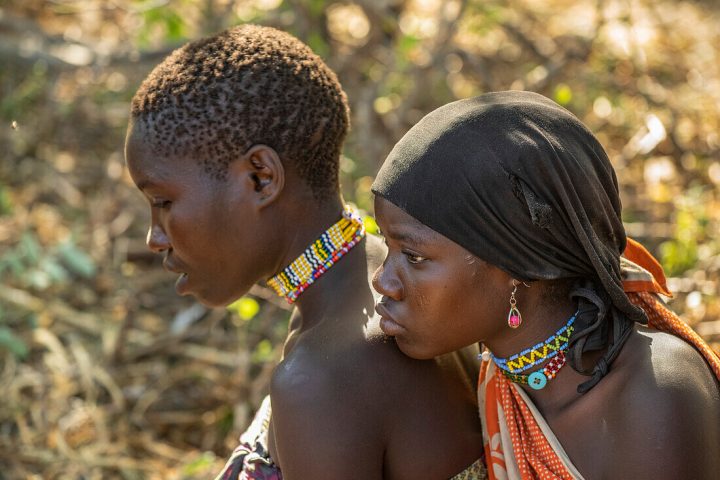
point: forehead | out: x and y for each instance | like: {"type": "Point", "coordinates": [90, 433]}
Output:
{"type": "Point", "coordinates": [396, 224]}
{"type": "Point", "coordinates": [147, 165]}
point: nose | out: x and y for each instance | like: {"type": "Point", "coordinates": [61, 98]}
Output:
{"type": "Point", "coordinates": [156, 239]}
{"type": "Point", "coordinates": [386, 283]}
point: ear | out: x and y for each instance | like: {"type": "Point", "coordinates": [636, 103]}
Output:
{"type": "Point", "coordinates": [263, 168]}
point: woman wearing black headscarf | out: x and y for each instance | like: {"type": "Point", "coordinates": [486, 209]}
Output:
{"type": "Point", "coordinates": [503, 222]}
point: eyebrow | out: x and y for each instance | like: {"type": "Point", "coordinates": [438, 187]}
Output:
{"type": "Point", "coordinates": [409, 237]}
{"type": "Point", "coordinates": [144, 183]}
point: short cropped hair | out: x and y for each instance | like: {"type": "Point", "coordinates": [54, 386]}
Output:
{"type": "Point", "coordinates": [216, 97]}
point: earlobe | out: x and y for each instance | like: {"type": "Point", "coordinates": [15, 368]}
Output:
{"type": "Point", "coordinates": [266, 171]}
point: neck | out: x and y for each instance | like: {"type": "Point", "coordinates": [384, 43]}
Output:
{"type": "Point", "coordinates": [310, 222]}
{"type": "Point", "coordinates": [336, 287]}
{"type": "Point", "coordinates": [540, 321]}
{"type": "Point", "coordinates": [320, 290]}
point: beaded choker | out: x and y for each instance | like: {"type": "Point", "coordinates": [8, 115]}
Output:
{"type": "Point", "coordinates": [538, 380]}
{"type": "Point", "coordinates": [322, 254]}
{"type": "Point", "coordinates": [537, 354]}
{"type": "Point", "coordinates": [552, 349]}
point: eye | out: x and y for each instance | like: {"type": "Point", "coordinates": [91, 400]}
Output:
{"type": "Point", "coordinates": [159, 203]}
{"type": "Point", "coordinates": [413, 257]}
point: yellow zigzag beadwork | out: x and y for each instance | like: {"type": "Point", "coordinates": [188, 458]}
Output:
{"type": "Point", "coordinates": [546, 350]}
{"type": "Point", "coordinates": [535, 356]}
{"type": "Point", "coordinates": [319, 256]}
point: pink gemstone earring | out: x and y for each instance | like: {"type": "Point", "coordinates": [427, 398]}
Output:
{"type": "Point", "coordinates": [514, 319]}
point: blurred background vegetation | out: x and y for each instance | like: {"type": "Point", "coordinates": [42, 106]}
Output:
{"type": "Point", "coordinates": [105, 373]}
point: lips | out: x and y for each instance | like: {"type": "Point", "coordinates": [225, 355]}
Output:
{"type": "Point", "coordinates": [387, 323]}
{"type": "Point", "coordinates": [170, 265]}
{"type": "Point", "coordinates": [181, 283]}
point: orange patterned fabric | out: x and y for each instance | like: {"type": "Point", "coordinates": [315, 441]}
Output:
{"type": "Point", "coordinates": [518, 442]}
{"type": "Point", "coordinates": [538, 458]}
{"type": "Point", "coordinates": [652, 278]}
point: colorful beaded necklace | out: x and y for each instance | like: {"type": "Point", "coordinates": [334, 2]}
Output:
{"type": "Point", "coordinates": [322, 254]}
{"type": "Point", "coordinates": [538, 380]}
{"type": "Point", "coordinates": [552, 349]}
{"type": "Point", "coordinates": [537, 354]}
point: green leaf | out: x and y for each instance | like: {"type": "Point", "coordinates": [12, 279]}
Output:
{"type": "Point", "coordinates": [13, 262]}
{"type": "Point", "coordinates": [53, 269]}
{"type": "Point", "coordinates": [175, 26]}
{"type": "Point", "coordinates": [30, 248]}
{"type": "Point", "coordinates": [13, 343]}
{"type": "Point", "coordinates": [200, 464]}
{"type": "Point", "coordinates": [263, 351]}
{"type": "Point", "coordinates": [678, 257]}
{"type": "Point", "coordinates": [76, 260]}
{"type": "Point", "coordinates": [317, 7]}
{"type": "Point", "coordinates": [407, 43]}
{"type": "Point", "coordinates": [38, 279]}
{"type": "Point", "coordinates": [5, 202]}
{"type": "Point", "coordinates": [318, 45]}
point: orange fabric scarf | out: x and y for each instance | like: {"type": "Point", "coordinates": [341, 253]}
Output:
{"type": "Point", "coordinates": [532, 454]}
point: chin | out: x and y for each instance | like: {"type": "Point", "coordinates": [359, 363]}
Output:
{"type": "Point", "coordinates": [216, 299]}
{"type": "Point", "coordinates": [211, 301]}
{"type": "Point", "coordinates": [413, 351]}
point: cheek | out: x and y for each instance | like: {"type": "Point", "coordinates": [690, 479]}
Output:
{"type": "Point", "coordinates": [191, 229]}
{"type": "Point", "coordinates": [177, 229]}
{"type": "Point", "coordinates": [457, 304]}
{"type": "Point", "coordinates": [438, 301]}
{"type": "Point", "coordinates": [424, 301]}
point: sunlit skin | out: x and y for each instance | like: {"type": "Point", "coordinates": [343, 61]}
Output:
{"type": "Point", "coordinates": [652, 416]}
{"type": "Point", "coordinates": [199, 223]}
{"type": "Point", "coordinates": [425, 276]}
{"type": "Point", "coordinates": [345, 400]}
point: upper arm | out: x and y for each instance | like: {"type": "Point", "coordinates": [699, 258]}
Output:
{"type": "Point", "coordinates": [323, 428]}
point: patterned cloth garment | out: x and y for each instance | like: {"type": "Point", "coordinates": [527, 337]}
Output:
{"type": "Point", "coordinates": [476, 471]}
{"type": "Point", "coordinates": [251, 459]}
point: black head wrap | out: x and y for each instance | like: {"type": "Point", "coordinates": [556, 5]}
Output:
{"type": "Point", "coordinates": [521, 183]}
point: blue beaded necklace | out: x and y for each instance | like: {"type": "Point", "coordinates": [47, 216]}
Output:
{"type": "Point", "coordinates": [530, 357]}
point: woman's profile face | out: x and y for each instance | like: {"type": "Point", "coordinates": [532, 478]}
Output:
{"type": "Point", "coordinates": [437, 297]}
{"type": "Point", "coordinates": [197, 222]}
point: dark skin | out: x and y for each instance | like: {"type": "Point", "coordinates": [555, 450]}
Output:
{"type": "Point", "coordinates": [655, 415]}
{"type": "Point", "coordinates": [346, 402]}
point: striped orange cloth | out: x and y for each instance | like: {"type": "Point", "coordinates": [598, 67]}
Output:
{"type": "Point", "coordinates": [518, 442]}
{"type": "Point", "coordinates": [644, 295]}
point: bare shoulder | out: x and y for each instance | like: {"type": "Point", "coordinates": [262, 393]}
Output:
{"type": "Point", "coordinates": [668, 408]}
{"type": "Point", "coordinates": [355, 378]}
{"type": "Point", "coordinates": [324, 424]}
{"type": "Point", "coordinates": [337, 368]}
{"type": "Point", "coordinates": [376, 250]}
{"type": "Point", "coordinates": [358, 401]}
{"type": "Point", "coordinates": [675, 369]}
{"type": "Point", "coordinates": [365, 370]}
